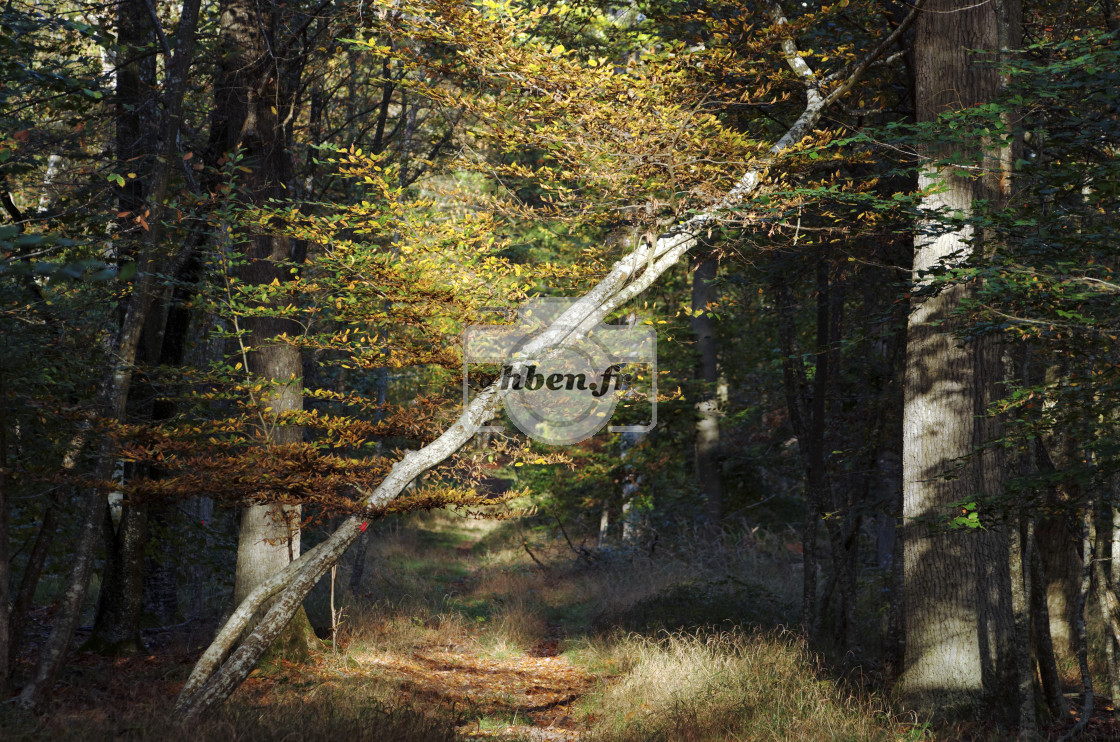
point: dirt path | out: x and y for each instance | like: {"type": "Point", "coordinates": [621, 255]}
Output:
{"type": "Point", "coordinates": [464, 627]}
{"type": "Point", "coordinates": [535, 694]}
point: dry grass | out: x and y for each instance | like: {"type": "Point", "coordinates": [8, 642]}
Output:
{"type": "Point", "coordinates": [457, 633]}
{"type": "Point", "coordinates": [730, 685]}
{"type": "Point", "coordinates": [298, 707]}
{"type": "Point", "coordinates": [719, 672]}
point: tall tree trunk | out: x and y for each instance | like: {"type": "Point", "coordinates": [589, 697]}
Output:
{"type": "Point", "coordinates": [1113, 577]}
{"type": "Point", "coordinates": [1057, 544]}
{"type": "Point", "coordinates": [1043, 645]}
{"type": "Point", "coordinates": [1088, 541]}
{"type": "Point", "coordinates": [794, 384]}
{"type": "Point", "coordinates": [959, 623]}
{"type": "Point", "coordinates": [161, 576]}
{"type": "Point", "coordinates": [155, 258]}
{"type": "Point", "coordinates": [117, 624]}
{"type": "Point", "coordinates": [1021, 541]}
{"type": "Point", "coordinates": [816, 461]}
{"type": "Point", "coordinates": [36, 561]}
{"type": "Point", "coordinates": [708, 464]}
{"type": "Point", "coordinates": [249, 97]}
{"type": "Point", "coordinates": [40, 549]}
{"type": "Point", "coordinates": [124, 590]}
{"type": "Point", "coordinates": [116, 628]}
{"type": "Point", "coordinates": [1102, 580]}
{"type": "Point", "coordinates": [7, 636]}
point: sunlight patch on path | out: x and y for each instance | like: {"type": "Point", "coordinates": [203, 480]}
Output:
{"type": "Point", "coordinates": [537, 690]}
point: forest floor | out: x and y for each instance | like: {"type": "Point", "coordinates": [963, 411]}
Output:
{"type": "Point", "coordinates": [468, 629]}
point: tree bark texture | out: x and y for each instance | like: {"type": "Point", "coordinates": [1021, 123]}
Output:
{"type": "Point", "coordinates": [250, 94]}
{"type": "Point", "coordinates": [959, 622]}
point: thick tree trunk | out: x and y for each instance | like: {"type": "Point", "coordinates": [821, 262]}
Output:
{"type": "Point", "coordinates": [959, 623]}
{"type": "Point", "coordinates": [268, 540]}
{"type": "Point", "coordinates": [116, 629]}
{"type": "Point", "coordinates": [249, 97]}
{"type": "Point", "coordinates": [708, 464]}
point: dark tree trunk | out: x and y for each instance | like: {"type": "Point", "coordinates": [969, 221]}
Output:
{"type": "Point", "coordinates": [1043, 646]}
{"type": "Point", "coordinates": [160, 593]}
{"type": "Point", "coordinates": [7, 636]}
{"type": "Point", "coordinates": [116, 629]}
{"type": "Point", "coordinates": [1057, 545]}
{"type": "Point", "coordinates": [708, 461]}
{"type": "Point", "coordinates": [116, 383]}
{"type": "Point", "coordinates": [816, 461]}
{"type": "Point", "coordinates": [1021, 542]}
{"type": "Point", "coordinates": [33, 572]}
{"type": "Point", "coordinates": [794, 384]}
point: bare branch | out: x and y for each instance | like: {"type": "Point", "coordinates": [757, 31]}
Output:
{"type": "Point", "coordinates": [877, 52]}
{"type": "Point", "coordinates": [158, 28]}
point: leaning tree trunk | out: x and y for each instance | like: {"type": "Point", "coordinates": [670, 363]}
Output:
{"type": "Point", "coordinates": [959, 622]}
{"type": "Point", "coordinates": [233, 653]}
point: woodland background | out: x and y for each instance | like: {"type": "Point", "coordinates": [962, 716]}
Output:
{"type": "Point", "coordinates": [877, 240]}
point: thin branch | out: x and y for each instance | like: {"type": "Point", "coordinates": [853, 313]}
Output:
{"type": "Point", "coordinates": [158, 29]}
{"type": "Point", "coordinates": [10, 207]}
{"type": "Point", "coordinates": [532, 556]}
{"type": "Point", "coordinates": [877, 52]}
